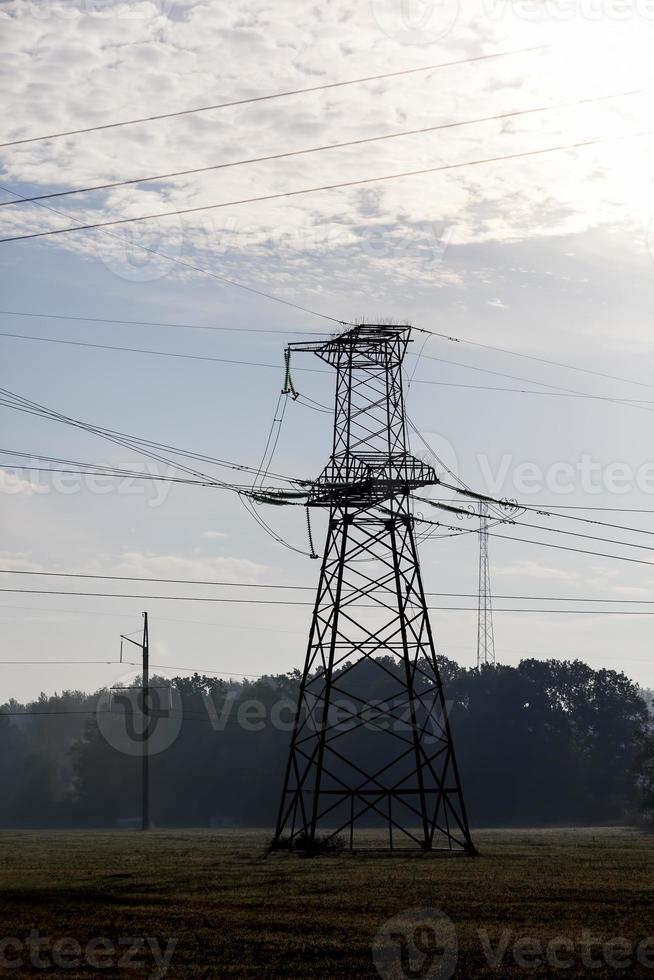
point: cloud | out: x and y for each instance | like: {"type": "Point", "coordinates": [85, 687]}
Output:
{"type": "Point", "coordinates": [19, 560]}
{"type": "Point", "coordinates": [69, 65]}
{"type": "Point", "coordinates": [151, 565]}
{"type": "Point", "coordinates": [16, 485]}
{"type": "Point", "coordinates": [535, 569]}
{"type": "Point", "coordinates": [213, 535]}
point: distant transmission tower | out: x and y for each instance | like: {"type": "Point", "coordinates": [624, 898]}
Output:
{"type": "Point", "coordinates": [372, 739]}
{"type": "Point", "coordinates": [485, 633]}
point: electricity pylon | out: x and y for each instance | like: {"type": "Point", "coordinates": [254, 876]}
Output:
{"type": "Point", "coordinates": [485, 632]}
{"type": "Point", "coordinates": [372, 738]}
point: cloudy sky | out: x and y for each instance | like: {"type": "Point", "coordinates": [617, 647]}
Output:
{"type": "Point", "coordinates": [548, 254]}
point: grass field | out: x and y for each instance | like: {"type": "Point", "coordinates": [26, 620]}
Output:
{"type": "Point", "coordinates": [236, 913]}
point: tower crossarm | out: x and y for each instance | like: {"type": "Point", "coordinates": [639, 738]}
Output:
{"type": "Point", "coordinates": [370, 479]}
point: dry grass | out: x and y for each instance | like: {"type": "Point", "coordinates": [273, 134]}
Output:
{"type": "Point", "coordinates": [237, 913]}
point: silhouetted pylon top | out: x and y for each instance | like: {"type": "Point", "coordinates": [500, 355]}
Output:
{"type": "Point", "coordinates": [365, 346]}
{"type": "Point", "coordinates": [370, 461]}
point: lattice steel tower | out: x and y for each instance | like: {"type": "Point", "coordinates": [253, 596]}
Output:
{"type": "Point", "coordinates": [372, 738]}
{"type": "Point", "coordinates": [485, 632]}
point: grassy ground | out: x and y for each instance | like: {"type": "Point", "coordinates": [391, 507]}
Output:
{"type": "Point", "coordinates": [236, 913]}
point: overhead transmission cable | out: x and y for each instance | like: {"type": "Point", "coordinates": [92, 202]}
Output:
{"type": "Point", "coordinates": [262, 198]}
{"type": "Point", "coordinates": [308, 603]}
{"type": "Point", "coordinates": [142, 446]}
{"type": "Point", "coordinates": [275, 95]}
{"type": "Point", "coordinates": [544, 544]}
{"type": "Point", "coordinates": [551, 390]}
{"type": "Point", "coordinates": [540, 360]}
{"type": "Point", "coordinates": [286, 587]}
{"type": "Point", "coordinates": [552, 530]}
{"type": "Point", "coordinates": [636, 402]}
{"type": "Point", "coordinates": [361, 141]}
{"type": "Point", "coordinates": [152, 323]}
{"type": "Point", "coordinates": [184, 263]}
{"type": "Point", "coordinates": [138, 444]}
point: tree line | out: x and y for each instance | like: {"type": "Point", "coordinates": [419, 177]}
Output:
{"type": "Point", "coordinates": [543, 743]}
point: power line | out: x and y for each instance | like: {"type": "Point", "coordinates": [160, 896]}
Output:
{"type": "Point", "coordinates": [296, 602]}
{"type": "Point", "coordinates": [39, 411]}
{"type": "Point", "coordinates": [150, 323]}
{"type": "Point", "coordinates": [616, 510]}
{"type": "Point", "coordinates": [362, 141]}
{"type": "Point", "coordinates": [275, 95]}
{"type": "Point", "coordinates": [142, 350]}
{"type": "Point", "coordinates": [632, 402]}
{"type": "Point", "coordinates": [202, 670]}
{"type": "Point", "coordinates": [110, 473]}
{"type": "Point", "coordinates": [556, 530]}
{"type": "Point", "coordinates": [59, 663]}
{"type": "Point", "coordinates": [194, 268]}
{"type": "Point", "coordinates": [537, 509]}
{"type": "Point", "coordinates": [160, 619]}
{"type": "Point", "coordinates": [289, 587]}
{"type": "Point", "coordinates": [545, 544]}
{"type": "Point", "coordinates": [176, 598]}
{"type": "Point", "coordinates": [96, 469]}
{"type": "Point", "coordinates": [637, 402]}
{"type": "Point", "coordinates": [541, 360]}
{"type": "Point", "coordinates": [324, 187]}
{"type": "Point", "coordinates": [144, 446]}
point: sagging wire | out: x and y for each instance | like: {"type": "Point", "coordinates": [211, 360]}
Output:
{"type": "Point", "coordinates": [269, 451]}
{"type": "Point", "coordinates": [307, 402]}
{"type": "Point", "coordinates": [247, 503]}
{"type": "Point", "coordinates": [258, 494]}
{"type": "Point", "coordinates": [495, 507]}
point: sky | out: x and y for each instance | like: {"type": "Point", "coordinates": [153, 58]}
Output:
{"type": "Point", "coordinates": [549, 254]}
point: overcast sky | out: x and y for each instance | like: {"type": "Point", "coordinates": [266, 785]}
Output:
{"type": "Point", "coordinates": [549, 254]}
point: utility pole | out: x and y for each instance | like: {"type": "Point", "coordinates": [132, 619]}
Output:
{"type": "Point", "coordinates": [144, 735]}
{"type": "Point", "coordinates": [485, 631]}
{"type": "Point", "coordinates": [372, 736]}
{"type": "Point", "coordinates": [145, 823]}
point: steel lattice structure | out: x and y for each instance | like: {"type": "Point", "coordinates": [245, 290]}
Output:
{"type": "Point", "coordinates": [485, 631]}
{"type": "Point", "coordinates": [372, 737]}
